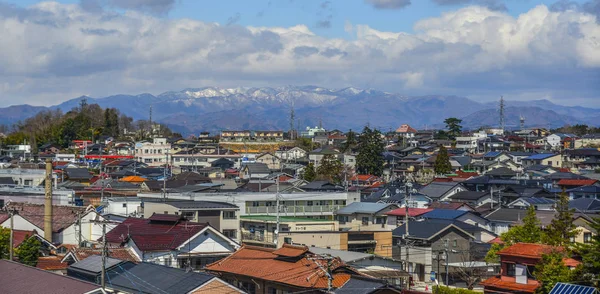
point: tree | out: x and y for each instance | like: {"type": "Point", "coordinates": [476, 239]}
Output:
{"type": "Point", "coordinates": [350, 141]}
{"type": "Point", "coordinates": [590, 268]}
{"type": "Point", "coordinates": [453, 126]}
{"type": "Point", "coordinates": [370, 152]}
{"type": "Point", "coordinates": [530, 231]}
{"type": "Point", "coordinates": [330, 169]}
{"type": "Point", "coordinates": [111, 122]}
{"type": "Point", "coordinates": [551, 270]}
{"type": "Point", "coordinates": [309, 173]}
{"type": "Point", "coordinates": [4, 243]}
{"type": "Point", "coordinates": [29, 251]}
{"type": "Point", "coordinates": [561, 228]}
{"type": "Point", "coordinates": [442, 162]}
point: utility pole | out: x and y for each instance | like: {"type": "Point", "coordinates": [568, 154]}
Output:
{"type": "Point", "coordinates": [102, 183]}
{"type": "Point", "coordinates": [277, 214]}
{"type": "Point", "coordinates": [446, 251]}
{"type": "Point", "coordinates": [10, 246]}
{"type": "Point", "coordinates": [80, 235]}
{"type": "Point", "coordinates": [104, 248]}
{"type": "Point", "coordinates": [327, 271]}
{"type": "Point", "coordinates": [407, 187]}
{"type": "Point", "coordinates": [165, 178]}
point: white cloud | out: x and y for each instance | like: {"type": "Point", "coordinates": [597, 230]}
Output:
{"type": "Point", "coordinates": [54, 52]}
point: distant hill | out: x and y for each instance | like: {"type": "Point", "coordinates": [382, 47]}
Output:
{"type": "Point", "coordinates": [213, 109]}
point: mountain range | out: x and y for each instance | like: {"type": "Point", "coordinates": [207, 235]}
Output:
{"type": "Point", "coordinates": [212, 109]}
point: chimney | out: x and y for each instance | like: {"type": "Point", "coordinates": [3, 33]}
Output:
{"type": "Point", "coordinates": [48, 202]}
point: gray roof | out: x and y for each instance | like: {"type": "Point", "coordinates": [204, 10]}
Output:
{"type": "Point", "coordinates": [153, 278]}
{"type": "Point", "coordinates": [345, 256]}
{"type": "Point", "coordinates": [501, 171]}
{"type": "Point", "coordinates": [257, 168]}
{"type": "Point", "coordinates": [361, 285]}
{"type": "Point", "coordinates": [585, 204]}
{"type": "Point", "coordinates": [516, 215]}
{"type": "Point", "coordinates": [191, 204]}
{"type": "Point", "coordinates": [469, 195]}
{"type": "Point", "coordinates": [78, 173]}
{"type": "Point", "coordinates": [93, 264]}
{"type": "Point", "coordinates": [363, 207]}
{"type": "Point", "coordinates": [427, 229]}
{"type": "Point", "coordinates": [436, 190]}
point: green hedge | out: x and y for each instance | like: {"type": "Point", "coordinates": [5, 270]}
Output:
{"type": "Point", "coordinates": [447, 290]}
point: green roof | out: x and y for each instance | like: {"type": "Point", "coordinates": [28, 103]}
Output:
{"type": "Point", "coordinates": [272, 218]}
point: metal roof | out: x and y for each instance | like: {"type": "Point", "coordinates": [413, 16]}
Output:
{"type": "Point", "coordinates": [564, 288]}
{"type": "Point", "coordinates": [444, 214]}
{"type": "Point", "coordinates": [540, 156]}
{"type": "Point", "coordinates": [362, 207]}
{"type": "Point", "coordinates": [93, 264]}
{"type": "Point", "coordinates": [492, 154]}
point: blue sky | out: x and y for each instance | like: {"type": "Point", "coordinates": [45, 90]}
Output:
{"type": "Point", "coordinates": [481, 49]}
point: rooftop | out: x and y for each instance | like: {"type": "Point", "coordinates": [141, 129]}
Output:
{"type": "Point", "coordinates": [412, 212]}
{"type": "Point", "coordinates": [529, 250]}
{"type": "Point", "coordinates": [363, 207]}
{"type": "Point", "coordinates": [289, 219]}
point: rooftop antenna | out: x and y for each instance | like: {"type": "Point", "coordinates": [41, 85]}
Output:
{"type": "Point", "coordinates": [501, 110]}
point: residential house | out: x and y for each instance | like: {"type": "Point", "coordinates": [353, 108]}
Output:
{"type": "Point", "coordinates": [266, 136]}
{"type": "Point", "coordinates": [588, 141]}
{"type": "Point", "coordinates": [585, 231]}
{"type": "Point", "coordinates": [222, 163]}
{"type": "Point", "coordinates": [451, 205]}
{"type": "Point", "coordinates": [518, 269]}
{"type": "Point", "coordinates": [548, 159]}
{"type": "Point", "coordinates": [361, 216]}
{"type": "Point", "coordinates": [225, 217]}
{"type": "Point", "coordinates": [406, 135]}
{"type": "Point", "coordinates": [502, 219]}
{"type": "Point", "coordinates": [19, 278]}
{"type": "Point", "coordinates": [254, 171]}
{"type": "Point", "coordinates": [65, 222]}
{"type": "Point", "coordinates": [385, 268]}
{"type": "Point", "coordinates": [155, 153]}
{"type": "Point", "coordinates": [235, 136]}
{"type": "Point", "coordinates": [317, 155]}
{"type": "Point", "coordinates": [322, 186]}
{"type": "Point", "coordinates": [20, 151]}
{"type": "Point", "coordinates": [283, 270]}
{"type": "Point", "coordinates": [568, 184]}
{"type": "Point", "coordinates": [473, 198]}
{"type": "Point", "coordinates": [397, 216]}
{"type": "Point", "coordinates": [290, 153]}
{"type": "Point", "coordinates": [467, 217]}
{"type": "Point", "coordinates": [172, 240]}
{"type": "Point", "coordinates": [272, 161]}
{"type": "Point", "coordinates": [441, 190]}
{"type": "Point", "coordinates": [260, 230]}
{"type": "Point", "coordinates": [366, 285]}
{"type": "Point", "coordinates": [467, 143]}
{"type": "Point", "coordinates": [539, 203]}
{"type": "Point", "coordinates": [585, 205]}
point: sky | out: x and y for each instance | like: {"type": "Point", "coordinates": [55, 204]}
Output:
{"type": "Point", "coordinates": [482, 49]}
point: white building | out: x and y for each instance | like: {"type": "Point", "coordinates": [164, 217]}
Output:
{"type": "Point", "coordinates": [21, 151]}
{"type": "Point", "coordinates": [290, 154]}
{"type": "Point", "coordinates": [310, 132]}
{"type": "Point", "coordinates": [153, 154]}
{"type": "Point", "coordinates": [64, 157]}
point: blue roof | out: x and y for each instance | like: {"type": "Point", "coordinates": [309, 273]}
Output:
{"type": "Point", "coordinates": [586, 189]}
{"type": "Point", "coordinates": [492, 154]}
{"type": "Point", "coordinates": [539, 156]}
{"type": "Point", "coordinates": [563, 288]}
{"type": "Point", "coordinates": [448, 214]}
{"type": "Point", "coordinates": [538, 200]}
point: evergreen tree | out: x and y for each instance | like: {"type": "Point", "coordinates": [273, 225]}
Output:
{"type": "Point", "coordinates": [442, 162]}
{"type": "Point", "coordinates": [550, 271]}
{"type": "Point", "coordinates": [530, 231]}
{"type": "Point", "coordinates": [350, 141]}
{"type": "Point", "coordinates": [309, 173]}
{"type": "Point", "coordinates": [370, 152]}
{"type": "Point", "coordinates": [29, 251]}
{"type": "Point", "coordinates": [561, 228]}
{"type": "Point", "coordinates": [330, 169]}
{"type": "Point", "coordinates": [453, 126]}
{"type": "Point", "coordinates": [4, 243]}
{"type": "Point", "coordinates": [590, 255]}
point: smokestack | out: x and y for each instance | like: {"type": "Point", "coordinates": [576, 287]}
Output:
{"type": "Point", "coordinates": [48, 202]}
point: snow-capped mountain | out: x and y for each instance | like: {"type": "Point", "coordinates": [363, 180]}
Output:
{"type": "Point", "coordinates": [214, 108]}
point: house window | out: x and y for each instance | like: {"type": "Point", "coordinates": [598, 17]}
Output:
{"type": "Point", "coordinates": [287, 240]}
{"type": "Point", "coordinates": [124, 205]}
{"type": "Point", "coordinates": [272, 290]}
{"type": "Point", "coordinates": [510, 269]}
{"type": "Point", "coordinates": [269, 203]}
{"type": "Point", "coordinates": [454, 243]}
{"type": "Point", "coordinates": [323, 202]}
{"type": "Point", "coordinates": [309, 203]}
{"type": "Point", "coordinates": [230, 233]}
{"type": "Point", "coordinates": [342, 219]}
{"type": "Point", "coordinates": [228, 214]}
{"type": "Point", "coordinates": [255, 203]}
{"type": "Point", "coordinates": [587, 237]}
{"type": "Point", "coordinates": [365, 220]}
{"type": "Point", "coordinates": [380, 220]}
{"type": "Point", "coordinates": [189, 215]}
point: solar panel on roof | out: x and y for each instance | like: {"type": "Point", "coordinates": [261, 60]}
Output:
{"type": "Point", "coordinates": [563, 288]}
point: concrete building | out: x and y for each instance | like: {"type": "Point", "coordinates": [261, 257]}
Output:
{"type": "Point", "coordinates": [155, 153]}
{"type": "Point", "coordinates": [260, 229]}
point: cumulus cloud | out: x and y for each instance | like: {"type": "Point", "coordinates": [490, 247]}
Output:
{"type": "Point", "coordinates": [472, 51]}
{"type": "Point", "coordinates": [389, 4]}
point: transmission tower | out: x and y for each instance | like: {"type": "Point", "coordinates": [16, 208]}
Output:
{"type": "Point", "coordinates": [292, 117]}
{"type": "Point", "coordinates": [522, 122]}
{"type": "Point", "coordinates": [501, 110]}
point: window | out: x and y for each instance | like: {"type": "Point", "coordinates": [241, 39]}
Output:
{"type": "Point", "coordinates": [269, 203]}
{"type": "Point", "coordinates": [323, 202]}
{"type": "Point", "coordinates": [510, 269]}
{"type": "Point", "coordinates": [365, 220]}
{"type": "Point", "coordinates": [287, 240]}
{"type": "Point", "coordinates": [309, 203]}
{"type": "Point", "coordinates": [342, 219]}
{"type": "Point", "coordinates": [380, 220]}
{"type": "Point", "coordinates": [572, 239]}
{"type": "Point", "coordinates": [189, 215]}
{"type": "Point", "coordinates": [228, 214]}
{"type": "Point", "coordinates": [587, 237]}
{"type": "Point", "coordinates": [124, 205]}
{"type": "Point", "coordinates": [255, 203]}
{"type": "Point", "coordinates": [454, 243]}
{"type": "Point", "coordinates": [230, 233]}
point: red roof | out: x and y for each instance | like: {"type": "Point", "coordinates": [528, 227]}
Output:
{"type": "Point", "coordinates": [51, 263]}
{"type": "Point", "coordinates": [413, 212]}
{"type": "Point", "coordinates": [498, 282]}
{"type": "Point", "coordinates": [496, 240]}
{"type": "Point", "coordinates": [266, 264]}
{"type": "Point", "coordinates": [62, 216]}
{"type": "Point", "coordinates": [405, 129]}
{"type": "Point", "coordinates": [155, 234]}
{"type": "Point", "coordinates": [118, 253]}
{"type": "Point", "coordinates": [453, 205]}
{"type": "Point", "coordinates": [528, 250]}
{"type": "Point", "coordinates": [291, 251]}
{"type": "Point", "coordinates": [20, 236]}
{"type": "Point", "coordinates": [570, 262]}
{"type": "Point", "coordinates": [574, 182]}
{"type": "Point", "coordinates": [363, 178]}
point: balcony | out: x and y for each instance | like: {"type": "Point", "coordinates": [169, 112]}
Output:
{"type": "Point", "coordinates": [294, 210]}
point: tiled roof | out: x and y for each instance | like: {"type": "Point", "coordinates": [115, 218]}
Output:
{"type": "Point", "coordinates": [469, 195]}
{"type": "Point", "coordinates": [529, 250]}
{"type": "Point", "coordinates": [496, 240]}
{"type": "Point", "coordinates": [497, 282]}
{"type": "Point", "coordinates": [444, 214]}
{"type": "Point", "coordinates": [405, 129]}
{"type": "Point", "coordinates": [51, 263]}
{"type": "Point", "coordinates": [363, 207]}
{"type": "Point", "coordinates": [118, 253]}
{"type": "Point", "coordinates": [151, 235]}
{"type": "Point", "coordinates": [19, 236]}
{"type": "Point", "coordinates": [540, 156]}
{"type": "Point", "coordinates": [263, 263]}
{"type": "Point", "coordinates": [62, 216]}
{"type": "Point", "coordinates": [291, 251]}
{"type": "Point", "coordinates": [411, 211]}
{"type": "Point", "coordinates": [26, 279]}
{"type": "Point", "coordinates": [133, 179]}
{"type": "Point", "coordinates": [574, 182]}
{"type": "Point", "coordinates": [570, 262]}
{"type": "Point", "coordinates": [448, 205]}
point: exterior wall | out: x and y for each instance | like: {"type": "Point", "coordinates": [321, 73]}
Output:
{"type": "Point", "coordinates": [263, 231]}
{"type": "Point", "coordinates": [125, 207]}
{"type": "Point", "coordinates": [215, 286]}
{"type": "Point", "coordinates": [19, 223]}
{"type": "Point", "coordinates": [271, 161]}
{"type": "Point", "coordinates": [292, 154]}
{"type": "Point", "coordinates": [330, 240]}
{"type": "Point", "coordinates": [384, 243]}
{"type": "Point", "coordinates": [355, 222]}
{"type": "Point", "coordinates": [153, 154]}
{"type": "Point", "coordinates": [583, 228]}
{"type": "Point", "coordinates": [474, 220]}
{"type": "Point", "coordinates": [25, 177]}
{"type": "Point", "coordinates": [554, 161]}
